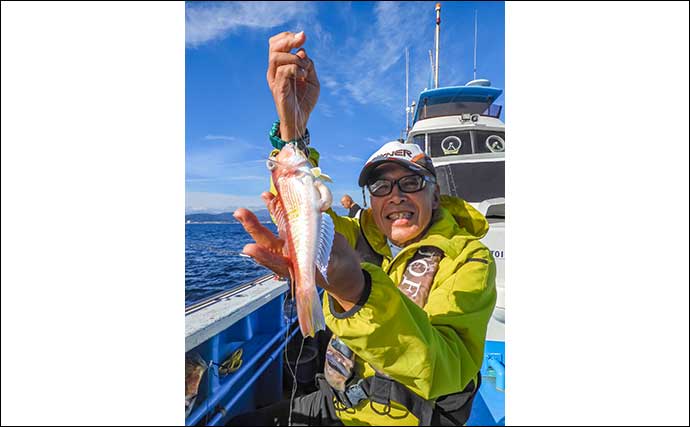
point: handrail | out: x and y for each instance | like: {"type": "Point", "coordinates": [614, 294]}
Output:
{"type": "Point", "coordinates": [224, 294]}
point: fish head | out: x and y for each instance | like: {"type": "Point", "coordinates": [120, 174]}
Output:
{"type": "Point", "coordinates": [289, 160]}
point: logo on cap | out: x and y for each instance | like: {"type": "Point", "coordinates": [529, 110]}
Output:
{"type": "Point", "coordinates": [410, 155]}
{"type": "Point", "coordinates": [396, 153]}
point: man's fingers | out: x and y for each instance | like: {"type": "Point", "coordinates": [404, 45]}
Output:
{"type": "Point", "coordinates": [308, 65]}
{"type": "Point", "coordinates": [279, 59]}
{"type": "Point", "coordinates": [278, 36]}
{"type": "Point", "coordinates": [270, 201]}
{"type": "Point", "coordinates": [288, 72]}
{"type": "Point", "coordinates": [262, 235]}
{"type": "Point", "coordinates": [286, 41]}
{"type": "Point", "coordinates": [273, 261]}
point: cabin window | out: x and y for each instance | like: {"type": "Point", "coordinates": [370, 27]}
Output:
{"type": "Point", "coordinates": [420, 141]}
{"type": "Point", "coordinates": [473, 182]}
{"type": "Point", "coordinates": [489, 142]}
{"type": "Point", "coordinates": [450, 143]}
{"type": "Point", "coordinates": [493, 110]}
{"type": "Point", "coordinates": [454, 108]}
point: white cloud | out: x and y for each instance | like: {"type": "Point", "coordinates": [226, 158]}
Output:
{"type": "Point", "coordinates": [198, 202]}
{"type": "Point", "coordinates": [329, 82]}
{"type": "Point", "coordinates": [228, 178]}
{"type": "Point", "coordinates": [325, 109]}
{"type": "Point", "coordinates": [370, 69]}
{"type": "Point", "coordinates": [209, 21]}
{"type": "Point", "coordinates": [380, 140]}
{"type": "Point", "coordinates": [346, 158]}
{"type": "Point", "coordinates": [219, 138]}
{"type": "Point", "coordinates": [221, 163]}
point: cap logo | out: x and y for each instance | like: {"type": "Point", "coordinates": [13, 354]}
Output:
{"type": "Point", "coordinates": [396, 153]}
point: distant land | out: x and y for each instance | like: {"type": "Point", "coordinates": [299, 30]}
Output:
{"type": "Point", "coordinates": [227, 218]}
{"type": "Point", "coordinates": [223, 218]}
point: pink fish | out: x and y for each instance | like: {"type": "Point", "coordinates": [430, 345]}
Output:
{"type": "Point", "coordinates": [308, 232]}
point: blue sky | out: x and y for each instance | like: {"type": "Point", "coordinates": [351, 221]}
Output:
{"type": "Point", "coordinates": [359, 52]}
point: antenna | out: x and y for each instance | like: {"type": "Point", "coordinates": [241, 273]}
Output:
{"type": "Point", "coordinates": [438, 40]}
{"type": "Point", "coordinates": [407, 83]}
{"type": "Point", "coordinates": [431, 63]}
{"type": "Point", "coordinates": [475, 45]}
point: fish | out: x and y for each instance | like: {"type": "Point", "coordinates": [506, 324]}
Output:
{"type": "Point", "coordinates": [299, 212]}
{"type": "Point", "coordinates": [194, 368]}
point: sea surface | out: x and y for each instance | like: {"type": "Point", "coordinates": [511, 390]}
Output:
{"type": "Point", "coordinates": [212, 260]}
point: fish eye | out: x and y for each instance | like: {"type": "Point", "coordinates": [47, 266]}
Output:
{"type": "Point", "coordinates": [270, 164]}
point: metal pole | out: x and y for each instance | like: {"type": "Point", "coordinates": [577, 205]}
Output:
{"type": "Point", "coordinates": [431, 71]}
{"type": "Point", "coordinates": [407, 83]}
{"type": "Point", "coordinates": [438, 40]}
{"type": "Point", "coordinates": [475, 45]}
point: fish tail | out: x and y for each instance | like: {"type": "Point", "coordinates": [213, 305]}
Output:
{"type": "Point", "coordinates": [309, 311]}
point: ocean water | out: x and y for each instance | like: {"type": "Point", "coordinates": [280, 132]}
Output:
{"type": "Point", "coordinates": [212, 260]}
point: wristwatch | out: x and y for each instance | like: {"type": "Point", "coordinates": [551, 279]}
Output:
{"type": "Point", "coordinates": [278, 143]}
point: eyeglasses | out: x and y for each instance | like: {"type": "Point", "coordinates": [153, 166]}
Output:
{"type": "Point", "coordinates": [406, 184]}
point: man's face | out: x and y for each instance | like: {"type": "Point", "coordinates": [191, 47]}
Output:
{"type": "Point", "coordinates": [402, 217]}
{"type": "Point", "coordinates": [346, 202]}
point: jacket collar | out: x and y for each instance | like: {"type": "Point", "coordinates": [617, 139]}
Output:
{"type": "Point", "coordinates": [454, 218]}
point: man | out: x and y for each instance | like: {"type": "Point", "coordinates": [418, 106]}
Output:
{"type": "Point", "coordinates": [352, 207]}
{"type": "Point", "coordinates": [410, 287]}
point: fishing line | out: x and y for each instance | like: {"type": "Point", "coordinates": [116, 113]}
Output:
{"type": "Point", "coordinates": [297, 113]}
{"type": "Point", "coordinates": [292, 284]}
{"type": "Point", "coordinates": [211, 371]}
{"type": "Point", "coordinates": [294, 379]}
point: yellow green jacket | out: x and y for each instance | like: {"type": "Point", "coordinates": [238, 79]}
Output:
{"type": "Point", "coordinates": [435, 350]}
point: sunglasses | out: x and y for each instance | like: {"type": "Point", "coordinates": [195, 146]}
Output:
{"type": "Point", "coordinates": [407, 184]}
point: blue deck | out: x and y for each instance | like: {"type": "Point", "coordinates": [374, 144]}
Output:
{"type": "Point", "coordinates": [259, 380]}
{"type": "Point", "coordinates": [489, 405]}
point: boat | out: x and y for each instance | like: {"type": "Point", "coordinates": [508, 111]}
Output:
{"type": "Point", "coordinates": [460, 129]}
{"type": "Point", "coordinates": [247, 338]}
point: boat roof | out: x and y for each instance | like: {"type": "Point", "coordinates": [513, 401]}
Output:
{"type": "Point", "coordinates": [457, 94]}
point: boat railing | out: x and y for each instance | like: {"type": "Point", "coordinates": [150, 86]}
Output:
{"type": "Point", "coordinates": [198, 305]}
{"type": "Point", "coordinates": [246, 323]}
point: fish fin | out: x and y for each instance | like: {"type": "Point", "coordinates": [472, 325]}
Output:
{"type": "Point", "coordinates": [325, 195]}
{"type": "Point", "coordinates": [309, 311]}
{"type": "Point", "coordinates": [323, 253]}
{"type": "Point", "coordinates": [320, 175]}
{"type": "Point", "coordinates": [280, 218]}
